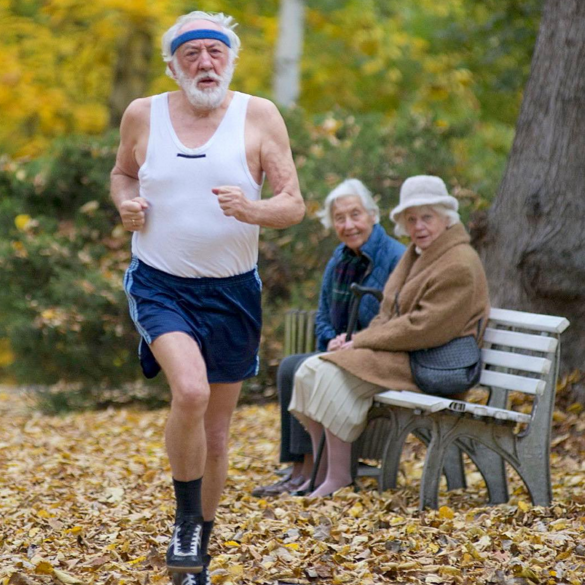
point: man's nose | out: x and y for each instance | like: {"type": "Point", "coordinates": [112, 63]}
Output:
{"type": "Point", "coordinates": [205, 60]}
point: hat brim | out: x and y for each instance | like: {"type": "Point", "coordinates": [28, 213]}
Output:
{"type": "Point", "coordinates": [447, 201]}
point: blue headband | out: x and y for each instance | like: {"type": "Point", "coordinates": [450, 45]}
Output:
{"type": "Point", "coordinates": [199, 34]}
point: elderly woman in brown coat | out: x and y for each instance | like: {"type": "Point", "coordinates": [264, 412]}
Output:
{"type": "Point", "coordinates": [438, 292]}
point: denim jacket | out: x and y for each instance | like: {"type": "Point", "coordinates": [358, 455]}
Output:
{"type": "Point", "coordinates": [383, 253]}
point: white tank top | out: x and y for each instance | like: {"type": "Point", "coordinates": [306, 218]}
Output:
{"type": "Point", "coordinates": [186, 232]}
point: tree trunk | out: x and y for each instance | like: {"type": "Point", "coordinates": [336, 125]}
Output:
{"type": "Point", "coordinates": [533, 243]}
{"type": "Point", "coordinates": [131, 74]}
{"type": "Point", "coordinates": [289, 48]}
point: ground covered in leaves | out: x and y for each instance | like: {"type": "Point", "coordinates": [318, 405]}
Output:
{"type": "Point", "coordinates": [86, 499]}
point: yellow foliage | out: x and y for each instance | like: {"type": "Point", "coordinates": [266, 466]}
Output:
{"type": "Point", "coordinates": [59, 62]}
{"type": "Point", "coordinates": [90, 119]}
{"type": "Point", "coordinates": [44, 568]}
{"type": "Point", "coordinates": [21, 221]}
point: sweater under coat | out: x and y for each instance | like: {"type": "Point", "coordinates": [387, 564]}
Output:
{"type": "Point", "coordinates": [383, 253]}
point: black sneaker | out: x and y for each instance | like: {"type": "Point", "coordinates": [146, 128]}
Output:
{"type": "Point", "coordinates": [202, 578]}
{"type": "Point", "coordinates": [184, 553]}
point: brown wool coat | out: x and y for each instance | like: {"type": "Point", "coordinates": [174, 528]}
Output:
{"type": "Point", "coordinates": [442, 294]}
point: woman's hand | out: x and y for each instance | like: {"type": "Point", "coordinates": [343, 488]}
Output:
{"type": "Point", "coordinates": [336, 343]}
{"type": "Point", "coordinates": [347, 345]}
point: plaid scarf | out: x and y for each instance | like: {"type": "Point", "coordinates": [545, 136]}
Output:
{"type": "Point", "coordinates": [351, 268]}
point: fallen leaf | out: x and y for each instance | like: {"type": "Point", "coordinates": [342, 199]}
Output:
{"type": "Point", "coordinates": [66, 578]}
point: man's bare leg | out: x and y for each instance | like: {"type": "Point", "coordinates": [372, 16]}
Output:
{"type": "Point", "coordinates": [222, 403]}
{"type": "Point", "coordinates": [181, 360]}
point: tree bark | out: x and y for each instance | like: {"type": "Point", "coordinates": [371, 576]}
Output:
{"type": "Point", "coordinates": [131, 73]}
{"type": "Point", "coordinates": [289, 48]}
{"type": "Point", "coordinates": [533, 243]}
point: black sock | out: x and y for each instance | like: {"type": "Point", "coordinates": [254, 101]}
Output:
{"type": "Point", "coordinates": [206, 535]}
{"type": "Point", "coordinates": [188, 495]}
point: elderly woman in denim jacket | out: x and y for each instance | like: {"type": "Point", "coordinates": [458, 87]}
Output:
{"type": "Point", "coordinates": [366, 255]}
{"type": "Point", "coordinates": [438, 292]}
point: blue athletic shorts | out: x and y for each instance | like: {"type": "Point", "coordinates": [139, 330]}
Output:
{"type": "Point", "coordinates": [223, 315]}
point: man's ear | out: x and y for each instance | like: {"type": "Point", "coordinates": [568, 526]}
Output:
{"type": "Point", "coordinates": [171, 66]}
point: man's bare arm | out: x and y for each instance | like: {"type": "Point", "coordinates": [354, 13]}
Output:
{"type": "Point", "coordinates": [286, 206]}
{"type": "Point", "coordinates": [124, 184]}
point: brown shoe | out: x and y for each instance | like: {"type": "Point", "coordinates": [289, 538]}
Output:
{"type": "Point", "coordinates": [285, 485]}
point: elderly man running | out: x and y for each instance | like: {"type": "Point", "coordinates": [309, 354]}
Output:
{"type": "Point", "coordinates": [187, 182]}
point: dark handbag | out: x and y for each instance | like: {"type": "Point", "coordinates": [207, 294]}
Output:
{"type": "Point", "coordinates": [448, 369]}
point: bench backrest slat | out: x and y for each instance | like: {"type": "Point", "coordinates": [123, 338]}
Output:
{"type": "Point", "coordinates": [531, 321]}
{"type": "Point", "coordinates": [512, 382]}
{"type": "Point", "coordinates": [517, 340]}
{"type": "Point", "coordinates": [516, 361]}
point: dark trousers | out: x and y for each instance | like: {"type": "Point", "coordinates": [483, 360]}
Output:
{"type": "Point", "coordinates": [295, 442]}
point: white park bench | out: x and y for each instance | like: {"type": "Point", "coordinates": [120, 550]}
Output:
{"type": "Point", "coordinates": [521, 353]}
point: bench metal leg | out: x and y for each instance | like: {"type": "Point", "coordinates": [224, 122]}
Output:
{"type": "Point", "coordinates": [492, 468]}
{"type": "Point", "coordinates": [388, 478]}
{"type": "Point", "coordinates": [538, 485]}
{"type": "Point", "coordinates": [385, 437]}
{"type": "Point", "coordinates": [533, 467]}
{"type": "Point", "coordinates": [453, 469]}
{"type": "Point", "coordinates": [490, 447]}
{"type": "Point", "coordinates": [431, 477]}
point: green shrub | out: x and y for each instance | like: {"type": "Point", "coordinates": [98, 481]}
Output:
{"type": "Point", "coordinates": [62, 256]}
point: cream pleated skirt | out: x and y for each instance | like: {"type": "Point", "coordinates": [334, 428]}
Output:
{"type": "Point", "coordinates": [333, 397]}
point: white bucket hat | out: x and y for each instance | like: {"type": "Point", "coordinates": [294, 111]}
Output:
{"type": "Point", "coordinates": [423, 190]}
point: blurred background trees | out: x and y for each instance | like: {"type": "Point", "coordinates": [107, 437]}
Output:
{"type": "Point", "coordinates": [69, 65]}
{"type": "Point", "coordinates": [388, 88]}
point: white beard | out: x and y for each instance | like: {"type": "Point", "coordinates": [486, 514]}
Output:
{"type": "Point", "coordinates": [209, 98]}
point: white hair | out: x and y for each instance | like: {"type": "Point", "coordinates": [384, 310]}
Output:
{"type": "Point", "coordinates": [451, 215]}
{"type": "Point", "coordinates": [227, 23]}
{"type": "Point", "coordinates": [349, 188]}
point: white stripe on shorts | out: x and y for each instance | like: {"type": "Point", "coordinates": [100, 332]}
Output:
{"type": "Point", "coordinates": [128, 280]}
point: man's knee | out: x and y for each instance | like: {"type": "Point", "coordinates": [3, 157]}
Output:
{"type": "Point", "coordinates": [190, 397]}
{"type": "Point", "coordinates": [217, 444]}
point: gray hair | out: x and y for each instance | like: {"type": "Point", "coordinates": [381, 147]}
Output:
{"type": "Point", "coordinates": [452, 216]}
{"type": "Point", "coordinates": [227, 23]}
{"type": "Point", "coordinates": [349, 188]}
